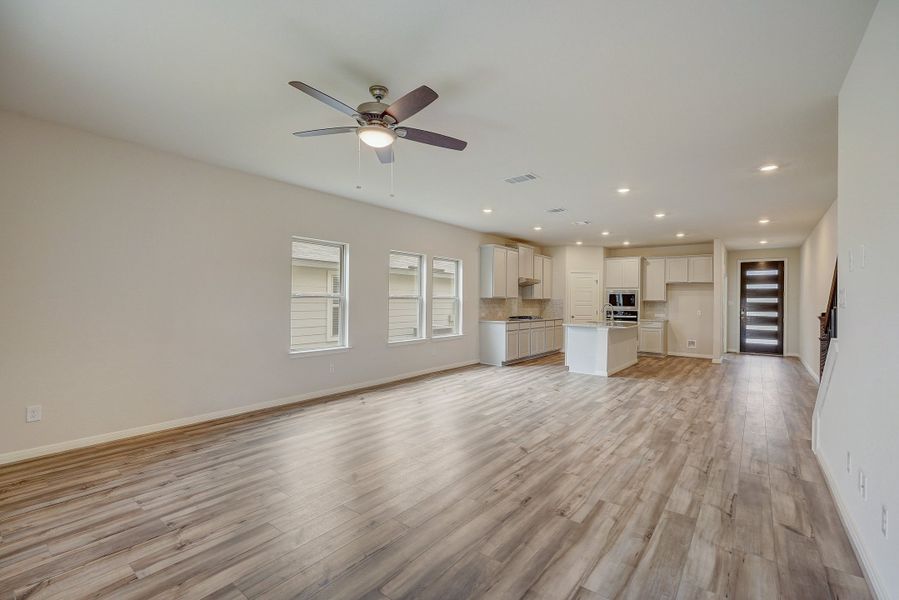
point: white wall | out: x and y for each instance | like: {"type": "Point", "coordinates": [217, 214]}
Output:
{"type": "Point", "coordinates": [791, 295]}
{"type": "Point", "coordinates": [719, 323]}
{"type": "Point", "coordinates": [817, 258]}
{"type": "Point", "coordinates": [573, 259]}
{"type": "Point", "coordinates": [140, 287]}
{"type": "Point", "coordinates": [861, 411]}
{"type": "Point", "coordinates": [690, 314]}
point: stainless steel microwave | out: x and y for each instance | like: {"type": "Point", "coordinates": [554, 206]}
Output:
{"type": "Point", "coordinates": [623, 299]}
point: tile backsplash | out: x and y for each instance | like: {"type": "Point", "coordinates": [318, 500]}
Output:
{"type": "Point", "coordinates": [500, 309]}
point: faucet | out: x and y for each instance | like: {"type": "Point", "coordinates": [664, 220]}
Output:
{"type": "Point", "coordinates": [606, 313]}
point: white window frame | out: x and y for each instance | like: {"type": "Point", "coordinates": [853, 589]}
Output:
{"type": "Point", "coordinates": [422, 308]}
{"type": "Point", "coordinates": [457, 296]}
{"type": "Point", "coordinates": [341, 296]}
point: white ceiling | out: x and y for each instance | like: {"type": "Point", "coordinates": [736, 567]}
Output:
{"type": "Point", "coordinates": [679, 100]}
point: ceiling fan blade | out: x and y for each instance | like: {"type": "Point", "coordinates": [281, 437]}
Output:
{"type": "Point", "coordinates": [429, 137]}
{"type": "Point", "coordinates": [323, 97]}
{"type": "Point", "coordinates": [326, 131]}
{"type": "Point", "coordinates": [385, 155]}
{"type": "Point", "coordinates": [411, 103]}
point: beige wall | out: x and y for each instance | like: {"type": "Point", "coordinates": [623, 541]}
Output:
{"type": "Point", "coordinates": [142, 288]}
{"type": "Point", "coordinates": [791, 295]}
{"type": "Point", "coordinates": [690, 312]}
{"type": "Point", "coordinates": [859, 412]}
{"type": "Point", "coordinates": [817, 258]}
{"type": "Point", "coordinates": [674, 250]}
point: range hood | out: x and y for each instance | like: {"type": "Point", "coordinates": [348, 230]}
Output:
{"type": "Point", "coordinates": [527, 281]}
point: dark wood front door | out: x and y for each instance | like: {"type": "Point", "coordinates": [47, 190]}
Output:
{"type": "Point", "coordinates": [762, 307]}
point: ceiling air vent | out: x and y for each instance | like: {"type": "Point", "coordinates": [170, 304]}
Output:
{"type": "Point", "coordinates": [582, 222]}
{"type": "Point", "coordinates": [522, 178]}
{"type": "Point", "coordinates": [556, 210]}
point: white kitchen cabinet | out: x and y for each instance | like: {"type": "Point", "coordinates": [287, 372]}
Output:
{"type": "Point", "coordinates": [511, 345]}
{"type": "Point", "coordinates": [699, 269]}
{"type": "Point", "coordinates": [652, 337]}
{"type": "Point", "coordinates": [537, 341]}
{"type": "Point", "coordinates": [547, 278]}
{"type": "Point", "coordinates": [526, 261]}
{"type": "Point", "coordinates": [676, 270]}
{"type": "Point", "coordinates": [654, 289]}
{"type": "Point", "coordinates": [494, 271]}
{"type": "Point", "coordinates": [537, 289]}
{"type": "Point", "coordinates": [511, 274]}
{"type": "Point", "coordinates": [502, 342]}
{"type": "Point", "coordinates": [622, 273]}
{"type": "Point", "coordinates": [543, 270]}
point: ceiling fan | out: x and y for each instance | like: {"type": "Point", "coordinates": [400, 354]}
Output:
{"type": "Point", "coordinates": [378, 123]}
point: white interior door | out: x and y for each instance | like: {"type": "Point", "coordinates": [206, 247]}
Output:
{"type": "Point", "coordinates": [583, 297]}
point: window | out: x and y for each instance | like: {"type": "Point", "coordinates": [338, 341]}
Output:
{"type": "Point", "coordinates": [318, 295]}
{"type": "Point", "coordinates": [405, 297]}
{"type": "Point", "coordinates": [446, 291]}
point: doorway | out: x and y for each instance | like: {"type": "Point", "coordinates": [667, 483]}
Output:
{"type": "Point", "coordinates": [762, 307]}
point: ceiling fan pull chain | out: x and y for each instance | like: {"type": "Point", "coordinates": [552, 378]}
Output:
{"type": "Point", "coordinates": [358, 163]}
{"type": "Point", "coordinates": [392, 167]}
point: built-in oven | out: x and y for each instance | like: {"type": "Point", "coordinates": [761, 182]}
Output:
{"type": "Point", "coordinates": [623, 299]}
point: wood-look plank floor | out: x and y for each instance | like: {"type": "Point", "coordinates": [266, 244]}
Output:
{"type": "Point", "coordinates": [675, 479]}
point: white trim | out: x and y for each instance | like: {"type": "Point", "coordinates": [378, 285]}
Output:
{"type": "Point", "coordinates": [808, 368]}
{"type": "Point", "coordinates": [688, 355]}
{"type": "Point", "coordinates": [316, 351]}
{"type": "Point", "coordinates": [875, 585]}
{"type": "Point", "coordinates": [28, 453]}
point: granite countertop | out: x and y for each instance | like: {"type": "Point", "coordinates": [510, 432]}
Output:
{"type": "Point", "coordinates": [541, 319]}
{"type": "Point", "coordinates": [604, 325]}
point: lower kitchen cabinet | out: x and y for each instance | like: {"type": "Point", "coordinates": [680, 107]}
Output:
{"type": "Point", "coordinates": [508, 341]}
{"type": "Point", "coordinates": [653, 337]}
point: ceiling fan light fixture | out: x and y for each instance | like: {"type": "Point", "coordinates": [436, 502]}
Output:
{"type": "Point", "coordinates": [376, 136]}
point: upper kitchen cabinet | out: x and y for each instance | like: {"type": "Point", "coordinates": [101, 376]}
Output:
{"type": "Point", "coordinates": [543, 272]}
{"type": "Point", "coordinates": [688, 269]}
{"type": "Point", "coordinates": [676, 269]}
{"type": "Point", "coordinates": [623, 273]}
{"type": "Point", "coordinates": [495, 273]}
{"type": "Point", "coordinates": [526, 261]}
{"type": "Point", "coordinates": [699, 269]}
{"type": "Point", "coordinates": [654, 289]}
{"type": "Point", "coordinates": [512, 273]}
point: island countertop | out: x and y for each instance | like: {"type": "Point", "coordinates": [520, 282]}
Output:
{"type": "Point", "coordinates": [604, 325]}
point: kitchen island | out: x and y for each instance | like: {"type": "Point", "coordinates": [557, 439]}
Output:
{"type": "Point", "coordinates": [600, 347]}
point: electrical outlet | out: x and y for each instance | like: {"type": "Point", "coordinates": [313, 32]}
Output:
{"type": "Point", "coordinates": [848, 462]}
{"type": "Point", "coordinates": [851, 260]}
{"type": "Point", "coordinates": [884, 519]}
{"type": "Point", "coordinates": [33, 413]}
{"type": "Point", "coordinates": [331, 367]}
{"type": "Point", "coordinates": [862, 485]}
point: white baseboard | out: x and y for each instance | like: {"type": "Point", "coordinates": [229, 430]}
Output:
{"type": "Point", "coordinates": [875, 584]}
{"type": "Point", "coordinates": [28, 453]}
{"type": "Point", "coordinates": [811, 371]}
{"type": "Point", "coordinates": [687, 355]}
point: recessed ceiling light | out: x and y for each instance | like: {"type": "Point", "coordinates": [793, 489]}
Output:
{"type": "Point", "coordinates": [680, 234]}
{"type": "Point", "coordinates": [626, 243]}
{"type": "Point", "coordinates": [763, 241]}
{"type": "Point", "coordinates": [659, 215]}
{"type": "Point", "coordinates": [768, 168]}
{"type": "Point", "coordinates": [764, 221]}
{"type": "Point", "coordinates": [487, 210]}
{"type": "Point", "coordinates": [605, 233]}
{"type": "Point", "coordinates": [579, 243]}
{"type": "Point", "coordinates": [623, 190]}
{"type": "Point", "coordinates": [537, 228]}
